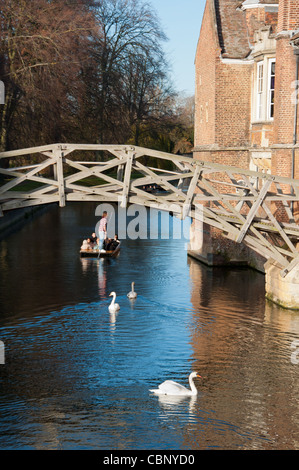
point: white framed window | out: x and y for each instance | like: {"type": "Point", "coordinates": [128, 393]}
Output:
{"type": "Point", "coordinates": [260, 88]}
{"type": "Point", "coordinates": [271, 88]}
{"type": "Point", "coordinates": [264, 90]}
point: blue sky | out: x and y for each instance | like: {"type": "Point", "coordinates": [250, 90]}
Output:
{"type": "Point", "coordinates": [181, 22]}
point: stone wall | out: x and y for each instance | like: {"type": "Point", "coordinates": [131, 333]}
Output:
{"type": "Point", "coordinates": [282, 290]}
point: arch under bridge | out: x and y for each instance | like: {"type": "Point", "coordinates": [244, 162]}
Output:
{"type": "Point", "coordinates": [250, 207]}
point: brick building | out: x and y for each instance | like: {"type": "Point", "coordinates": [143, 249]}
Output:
{"type": "Point", "coordinates": [245, 95]}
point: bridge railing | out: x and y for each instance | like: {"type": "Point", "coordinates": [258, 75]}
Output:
{"type": "Point", "coordinates": [256, 208]}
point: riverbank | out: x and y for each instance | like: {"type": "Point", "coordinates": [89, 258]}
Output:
{"type": "Point", "coordinates": [14, 220]}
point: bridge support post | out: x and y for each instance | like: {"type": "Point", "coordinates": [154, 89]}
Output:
{"type": "Point", "coordinates": [58, 174]}
{"type": "Point", "coordinates": [284, 291]}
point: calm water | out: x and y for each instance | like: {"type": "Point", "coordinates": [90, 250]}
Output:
{"type": "Point", "coordinates": [76, 377]}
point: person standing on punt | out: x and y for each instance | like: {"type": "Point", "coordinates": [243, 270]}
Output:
{"type": "Point", "coordinates": [103, 228]}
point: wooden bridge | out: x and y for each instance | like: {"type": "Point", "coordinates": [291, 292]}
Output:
{"type": "Point", "coordinates": [253, 208]}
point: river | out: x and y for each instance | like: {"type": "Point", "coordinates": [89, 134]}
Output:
{"type": "Point", "coordinates": [76, 377]}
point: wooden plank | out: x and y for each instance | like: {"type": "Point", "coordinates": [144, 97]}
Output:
{"type": "Point", "coordinates": [250, 216]}
{"type": "Point", "coordinates": [263, 224]}
{"type": "Point", "coordinates": [176, 159]}
{"type": "Point", "coordinates": [190, 192]}
{"type": "Point", "coordinates": [145, 180]}
{"type": "Point", "coordinates": [152, 197]}
{"type": "Point", "coordinates": [208, 166]}
{"type": "Point", "coordinates": [276, 223]}
{"type": "Point", "coordinates": [119, 184]}
{"type": "Point", "coordinates": [120, 172]}
{"type": "Point", "coordinates": [127, 179]}
{"type": "Point", "coordinates": [21, 195]}
{"type": "Point", "coordinates": [27, 151]}
{"type": "Point", "coordinates": [26, 167]}
{"type": "Point", "coordinates": [58, 155]}
{"type": "Point", "coordinates": [259, 238]}
{"type": "Point", "coordinates": [290, 266]}
{"type": "Point", "coordinates": [169, 172]}
{"type": "Point", "coordinates": [284, 203]}
{"type": "Point", "coordinates": [160, 180]}
{"type": "Point", "coordinates": [279, 228]}
{"type": "Point", "coordinates": [85, 190]}
{"type": "Point", "coordinates": [219, 198]}
{"type": "Point", "coordinates": [225, 216]}
{"type": "Point", "coordinates": [17, 204]}
{"type": "Point", "coordinates": [29, 175]}
{"type": "Point", "coordinates": [39, 179]}
{"type": "Point", "coordinates": [216, 167]}
{"type": "Point", "coordinates": [233, 210]}
{"type": "Point", "coordinates": [94, 171]}
{"type": "Point", "coordinates": [60, 146]}
{"type": "Point", "coordinates": [97, 166]}
{"type": "Point", "coordinates": [266, 251]}
{"type": "Point", "coordinates": [78, 197]}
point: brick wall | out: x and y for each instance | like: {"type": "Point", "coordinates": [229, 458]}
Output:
{"type": "Point", "coordinates": [288, 15]}
{"type": "Point", "coordinates": [257, 17]}
{"type": "Point", "coordinates": [222, 93]}
{"type": "Point", "coordinates": [223, 110]}
{"type": "Point", "coordinates": [285, 96]}
{"type": "Point", "coordinates": [233, 105]}
{"type": "Point", "coordinates": [261, 134]}
{"type": "Point", "coordinates": [222, 118]}
{"type": "Point", "coordinates": [205, 85]}
{"type": "Point", "coordinates": [285, 74]}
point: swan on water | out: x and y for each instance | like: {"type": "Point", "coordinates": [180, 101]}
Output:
{"type": "Point", "coordinates": [113, 307]}
{"type": "Point", "coordinates": [169, 387]}
{"type": "Point", "coordinates": [132, 294]}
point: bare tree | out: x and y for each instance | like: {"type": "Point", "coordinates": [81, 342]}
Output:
{"type": "Point", "coordinates": [41, 54]}
{"type": "Point", "coordinates": [129, 29]}
{"type": "Point", "coordinates": [83, 70]}
{"type": "Point", "coordinates": [146, 93]}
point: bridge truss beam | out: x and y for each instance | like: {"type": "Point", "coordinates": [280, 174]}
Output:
{"type": "Point", "coordinates": [250, 207]}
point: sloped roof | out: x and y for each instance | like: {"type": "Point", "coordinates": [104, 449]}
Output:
{"type": "Point", "coordinates": [295, 40]}
{"type": "Point", "coordinates": [269, 2]}
{"type": "Point", "coordinates": [232, 29]}
{"type": "Point", "coordinates": [249, 2]}
{"type": "Point", "coordinates": [264, 2]}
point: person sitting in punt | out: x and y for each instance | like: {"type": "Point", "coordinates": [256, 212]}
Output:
{"type": "Point", "coordinates": [114, 243]}
{"type": "Point", "coordinates": [107, 243]}
{"type": "Point", "coordinates": [110, 244]}
{"type": "Point", "coordinates": [93, 238]}
{"type": "Point", "coordinates": [86, 245]}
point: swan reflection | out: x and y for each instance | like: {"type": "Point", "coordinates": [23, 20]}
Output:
{"type": "Point", "coordinates": [112, 319]}
{"type": "Point", "coordinates": [170, 403]}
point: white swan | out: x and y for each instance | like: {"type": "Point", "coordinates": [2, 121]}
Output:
{"type": "Point", "coordinates": [132, 294]}
{"type": "Point", "coordinates": [113, 307]}
{"type": "Point", "coordinates": [169, 387]}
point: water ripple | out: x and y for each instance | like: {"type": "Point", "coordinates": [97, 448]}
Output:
{"type": "Point", "coordinates": [76, 377]}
